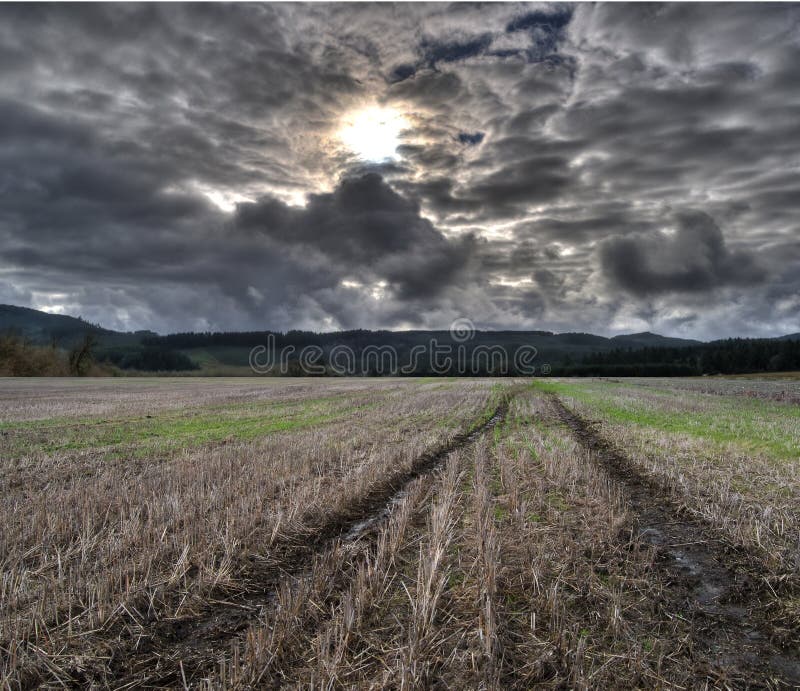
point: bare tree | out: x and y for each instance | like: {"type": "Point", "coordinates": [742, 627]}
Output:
{"type": "Point", "coordinates": [80, 357]}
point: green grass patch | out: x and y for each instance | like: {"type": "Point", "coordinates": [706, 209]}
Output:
{"type": "Point", "coordinates": [173, 429]}
{"type": "Point", "coordinates": [500, 513]}
{"type": "Point", "coordinates": [557, 501]}
{"type": "Point", "coordinates": [753, 425]}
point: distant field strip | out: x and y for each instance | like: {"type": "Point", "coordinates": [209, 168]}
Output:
{"type": "Point", "coordinates": [753, 425]}
{"type": "Point", "coordinates": [175, 429]}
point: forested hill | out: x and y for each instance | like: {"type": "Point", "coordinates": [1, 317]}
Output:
{"type": "Point", "coordinates": [730, 356]}
{"type": "Point", "coordinates": [360, 338]}
{"type": "Point", "coordinates": [44, 328]}
{"type": "Point", "coordinates": [580, 354]}
{"type": "Point", "coordinates": [569, 354]}
{"type": "Point", "coordinates": [551, 348]}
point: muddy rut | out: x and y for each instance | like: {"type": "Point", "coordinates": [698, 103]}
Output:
{"type": "Point", "coordinates": [705, 582]}
{"type": "Point", "coordinates": [174, 652]}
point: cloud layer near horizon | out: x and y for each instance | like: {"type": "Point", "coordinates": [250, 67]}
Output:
{"type": "Point", "coordinates": [603, 168]}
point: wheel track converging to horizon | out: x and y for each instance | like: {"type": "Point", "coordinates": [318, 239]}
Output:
{"type": "Point", "coordinates": [173, 652]}
{"type": "Point", "coordinates": [729, 626]}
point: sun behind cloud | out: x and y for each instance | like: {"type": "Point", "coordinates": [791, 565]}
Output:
{"type": "Point", "coordinates": [373, 133]}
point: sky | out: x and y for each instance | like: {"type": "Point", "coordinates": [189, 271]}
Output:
{"type": "Point", "coordinates": [604, 168]}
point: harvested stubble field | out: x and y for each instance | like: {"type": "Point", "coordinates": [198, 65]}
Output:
{"type": "Point", "coordinates": [398, 534]}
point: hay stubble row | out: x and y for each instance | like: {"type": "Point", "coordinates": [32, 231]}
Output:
{"type": "Point", "coordinates": [397, 534]}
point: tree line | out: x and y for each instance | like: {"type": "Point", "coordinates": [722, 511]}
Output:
{"type": "Point", "coordinates": [730, 356]}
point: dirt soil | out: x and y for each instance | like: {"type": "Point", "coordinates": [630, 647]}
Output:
{"type": "Point", "coordinates": [181, 651]}
{"type": "Point", "coordinates": [709, 582]}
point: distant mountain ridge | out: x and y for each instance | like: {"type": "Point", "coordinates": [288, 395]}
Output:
{"type": "Point", "coordinates": [229, 351]}
{"type": "Point", "coordinates": [42, 327]}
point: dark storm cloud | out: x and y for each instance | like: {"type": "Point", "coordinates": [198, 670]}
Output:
{"type": "Point", "coordinates": [694, 259]}
{"type": "Point", "coordinates": [178, 166]}
{"type": "Point", "coordinates": [369, 229]}
{"type": "Point", "coordinates": [572, 226]}
{"type": "Point", "coordinates": [429, 88]}
{"type": "Point", "coordinates": [530, 181]}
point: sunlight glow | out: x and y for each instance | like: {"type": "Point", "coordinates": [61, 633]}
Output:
{"type": "Point", "coordinates": [224, 201]}
{"type": "Point", "coordinates": [52, 309]}
{"type": "Point", "coordinates": [373, 134]}
{"type": "Point", "coordinates": [52, 303]}
{"type": "Point", "coordinates": [511, 282]}
{"type": "Point", "coordinates": [377, 291]}
{"type": "Point", "coordinates": [563, 250]}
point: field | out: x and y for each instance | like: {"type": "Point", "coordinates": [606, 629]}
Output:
{"type": "Point", "coordinates": [399, 533]}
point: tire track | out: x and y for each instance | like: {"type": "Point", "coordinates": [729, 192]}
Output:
{"type": "Point", "coordinates": [729, 627]}
{"type": "Point", "coordinates": [171, 653]}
